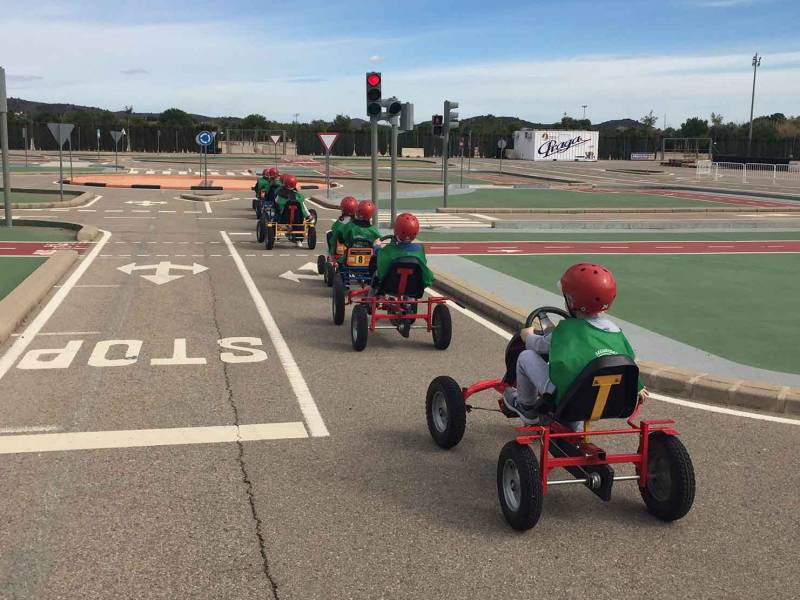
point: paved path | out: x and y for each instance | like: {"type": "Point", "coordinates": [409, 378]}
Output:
{"type": "Point", "coordinates": [620, 247]}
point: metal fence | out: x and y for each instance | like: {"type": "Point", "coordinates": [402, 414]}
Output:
{"type": "Point", "coordinates": [749, 172]}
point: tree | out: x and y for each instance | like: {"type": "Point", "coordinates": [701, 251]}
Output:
{"type": "Point", "coordinates": [255, 121]}
{"type": "Point", "coordinates": [694, 127]}
{"type": "Point", "coordinates": [175, 117]}
{"type": "Point", "coordinates": [342, 123]}
{"type": "Point", "coordinates": [649, 120]}
{"type": "Point", "coordinates": [716, 119]}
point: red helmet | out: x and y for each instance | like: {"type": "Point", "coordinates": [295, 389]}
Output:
{"type": "Point", "coordinates": [265, 173]}
{"type": "Point", "coordinates": [282, 178]}
{"type": "Point", "coordinates": [349, 205]}
{"type": "Point", "coordinates": [588, 288]}
{"type": "Point", "coordinates": [406, 227]}
{"type": "Point", "coordinates": [365, 210]}
{"type": "Point", "coordinates": [290, 182]}
{"type": "Point", "coordinates": [273, 172]}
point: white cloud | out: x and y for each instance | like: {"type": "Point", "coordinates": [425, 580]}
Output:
{"type": "Point", "coordinates": [376, 58]}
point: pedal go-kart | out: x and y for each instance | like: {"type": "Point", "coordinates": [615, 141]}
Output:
{"type": "Point", "coordinates": [398, 299]}
{"type": "Point", "coordinates": [605, 389]}
{"type": "Point", "coordinates": [290, 226]}
{"type": "Point", "coordinates": [355, 267]}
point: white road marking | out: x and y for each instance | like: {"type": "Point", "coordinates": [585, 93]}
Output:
{"type": "Point", "coordinates": [22, 342]}
{"type": "Point", "coordinates": [486, 217]}
{"type": "Point", "coordinates": [87, 210]}
{"type": "Point", "coordinates": [687, 403]}
{"type": "Point", "coordinates": [96, 198]}
{"type": "Point", "coordinates": [166, 211]}
{"type": "Point", "coordinates": [114, 210]}
{"type": "Point", "coordinates": [208, 206]}
{"type": "Point", "coordinates": [49, 333]}
{"type": "Point", "coordinates": [308, 407]}
{"type": "Point", "coordinates": [138, 438]}
{"type": "Point", "coordinates": [240, 233]}
{"type": "Point", "coordinates": [29, 429]}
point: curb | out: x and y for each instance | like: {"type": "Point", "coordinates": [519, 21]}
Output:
{"type": "Point", "coordinates": [660, 378]}
{"type": "Point", "coordinates": [324, 203]}
{"type": "Point", "coordinates": [33, 289]}
{"type": "Point", "coordinates": [76, 201]}
{"type": "Point", "coordinates": [199, 197]}
{"type": "Point", "coordinates": [88, 233]}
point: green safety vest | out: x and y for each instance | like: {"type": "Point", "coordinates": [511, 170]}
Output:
{"type": "Point", "coordinates": [283, 196]}
{"type": "Point", "coordinates": [391, 252]}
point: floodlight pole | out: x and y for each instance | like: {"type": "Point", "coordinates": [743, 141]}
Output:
{"type": "Point", "coordinates": [373, 123]}
{"type": "Point", "coordinates": [756, 64]}
{"type": "Point", "coordinates": [4, 146]}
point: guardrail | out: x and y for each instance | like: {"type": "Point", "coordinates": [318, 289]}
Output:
{"type": "Point", "coordinates": [749, 172]}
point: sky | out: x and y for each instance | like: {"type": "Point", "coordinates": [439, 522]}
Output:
{"type": "Point", "coordinates": [533, 59]}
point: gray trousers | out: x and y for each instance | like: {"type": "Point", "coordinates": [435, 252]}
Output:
{"type": "Point", "coordinates": [533, 380]}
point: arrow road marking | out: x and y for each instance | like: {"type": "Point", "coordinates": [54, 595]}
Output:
{"type": "Point", "coordinates": [296, 277]}
{"type": "Point", "coordinates": [162, 271]}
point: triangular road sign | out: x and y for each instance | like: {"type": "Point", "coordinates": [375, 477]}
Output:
{"type": "Point", "coordinates": [275, 139]}
{"type": "Point", "coordinates": [328, 140]}
{"type": "Point", "coordinates": [60, 131]}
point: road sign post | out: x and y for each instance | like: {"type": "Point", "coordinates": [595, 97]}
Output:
{"type": "Point", "coordinates": [25, 141]}
{"type": "Point", "coordinates": [204, 139]}
{"type": "Point", "coordinates": [461, 146]}
{"type": "Point", "coordinates": [4, 146]}
{"type": "Point", "coordinates": [275, 139]}
{"type": "Point", "coordinates": [98, 144]}
{"type": "Point", "coordinates": [61, 131]}
{"type": "Point", "coordinates": [328, 140]}
{"type": "Point", "coordinates": [502, 143]}
{"type": "Point", "coordinates": [116, 135]}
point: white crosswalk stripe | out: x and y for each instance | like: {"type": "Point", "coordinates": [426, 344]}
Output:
{"type": "Point", "coordinates": [430, 220]}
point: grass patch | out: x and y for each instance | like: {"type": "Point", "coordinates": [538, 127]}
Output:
{"type": "Point", "coordinates": [13, 270]}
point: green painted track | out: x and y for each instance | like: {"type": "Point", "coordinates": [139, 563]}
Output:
{"type": "Point", "coordinates": [13, 270]}
{"type": "Point", "coordinates": [740, 307]}
{"type": "Point", "coordinates": [31, 197]}
{"type": "Point", "coordinates": [492, 236]}
{"type": "Point", "coordinates": [25, 233]}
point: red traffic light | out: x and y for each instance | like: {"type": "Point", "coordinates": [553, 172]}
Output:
{"type": "Point", "coordinates": [373, 79]}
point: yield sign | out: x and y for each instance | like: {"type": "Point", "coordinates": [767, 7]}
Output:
{"type": "Point", "coordinates": [162, 269]}
{"type": "Point", "coordinates": [275, 139]}
{"type": "Point", "coordinates": [60, 131]}
{"type": "Point", "coordinates": [328, 140]}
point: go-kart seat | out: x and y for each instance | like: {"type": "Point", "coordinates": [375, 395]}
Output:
{"type": "Point", "coordinates": [606, 388]}
{"type": "Point", "coordinates": [404, 278]}
{"type": "Point", "coordinates": [292, 213]}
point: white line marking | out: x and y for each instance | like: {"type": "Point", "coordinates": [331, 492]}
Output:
{"type": "Point", "coordinates": [308, 407]}
{"type": "Point", "coordinates": [707, 407]}
{"type": "Point", "coordinates": [87, 210]}
{"type": "Point", "coordinates": [237, 233]}
{"type": "Point", "coordinates": [208, 206]}
{"type": "Point", "coordinates": [137, 438]}
{"type": "Point", "coordinates": [487, 217]}
{"type": "Point", "coordinates": [96, 198]}
{"type": "Point", "coordinates": [63, 332]}
{"type": "Point", "coordinates": [113, 210]}
{"type": "Point", "coordinates": [19, 346]}
{"type": "Point", "coordinates": [98, 285]}
{"type": "Point", "coordinates": [29, 429]}
{"type": "Point", "coordinates": [167, 211]}
{"type": "Point", "coordinates": [129, 217]}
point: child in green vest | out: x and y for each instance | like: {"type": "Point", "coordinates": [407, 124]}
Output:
{"type": "Point", "coordinates": [348, 206]}
{"type": "Point", "coordinates": [360, 227]}
{"type": "Point", "coordinates": [589, 290]}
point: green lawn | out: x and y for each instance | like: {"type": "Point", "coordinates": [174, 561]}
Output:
{"type": "Point", "coordinates": [29, 233]}
{"type": "Point", "coordinates": [23, 197]}
{"type": "Point", "coordinates": [14, 269]}
{"type": "Point", "coordinates": [741, 307]}
{"type": "Point", "coordinates": [547, 198]}
{"type": "Point", "coordinates": [494, 235]}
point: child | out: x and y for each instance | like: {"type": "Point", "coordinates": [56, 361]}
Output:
{"type": "Point", "coordinates": [272, 187]}
{"type": "Point", "coordinates": [289, 193]}
{"type": "Point", "coordinates": [360, 227]}
{"type": "Point", "coordinates": [348, 207]}
{"type": "Point", "coordinates": [406, 228]}
{"type": "Point", "coordinates": [262, 183]}
{"type": "Point", "coordinates": [589, 290]}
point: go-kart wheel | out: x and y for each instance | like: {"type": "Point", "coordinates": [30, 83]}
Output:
{"type": "Point", "coordinates": [269, 242]}
{"type": "Point", "coordinates": [311, 240]}
{"type": "Point", "coordinates": [446, 412]}
{"type": "Point", "coordinates": [359, 327]}
{"type": "Point", "coordinates": [669, 492]}
{"type": "Point", "coordinates": [519, 485]}
{"type": "Point", "coordinates": [258, 211]}
{"type": "Point", "coordinates": [255, 203]}
{"type": "Point", "coordinates": [321, 260]}
{"type": "Point", "coordinates": [329, 274]}
{"type": "Point", "coordinates": [260, 232]}
{"type": "Point", "coordinates": [441, 327]}
{"type": "Point", "coordinates": [337, 299]}
{"type": "Point", "coordinates": [312, 216]}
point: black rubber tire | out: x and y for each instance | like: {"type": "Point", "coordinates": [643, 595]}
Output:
{"type": "Point", "coordinates": [321, 260]}
{"type": "Point", "coordinates": [269, 242]}
{"type": "Point", "coordinates": [260, 232]}
{"type": "Point", "coordinates": [255, 203]}
{"type": "Point", "coordinates": [258, 211]}
{"type": "Point", "coordinates": [337, 299]}
{"type": "Point", "coordinates": [448, 429]}
{"type": "Point", "coordinates": [312, 216]}
{"type": "Point", "coordinates": [526, 513]}
{"type": "Point", "coordinates": [669, 492]}
{"type": "Point", "coordinates": [359, 327]}
{"type": "Point", "coordinates": [311, 240]}
{"type": "Point", "coordinates": [329, 274]}
{"type": "Point", "coordinates": [442, 327]}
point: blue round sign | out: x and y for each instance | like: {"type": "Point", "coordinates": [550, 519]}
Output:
{"type": "Point", "coordinates": [204, 138]}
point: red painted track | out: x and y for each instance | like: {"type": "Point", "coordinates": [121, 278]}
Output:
{"type": "Point", "coordinates": [620, 247]}
{"type": "Point", "coordinates": [39, 248]}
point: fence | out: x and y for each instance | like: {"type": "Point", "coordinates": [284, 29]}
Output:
{"type": "Point", "coordinates": [749, 172]}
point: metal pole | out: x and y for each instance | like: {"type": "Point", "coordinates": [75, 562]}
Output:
{"type": "Point", "coordinates": [373, 122]}
{"type": "Point", "coordinates": [328, 173]}
{"type": "Point", "coordinates": [276, 155]}
{"type": "Point", "coordinates": [116, 156]}
{"type": "Point", "coordinates": [60, 165]}
{"type": "Point", "coordinates": [756, 64]}
{"type": "Point", "coordinates": [71, 176]}
{"type": "Point", "coordinates": [4, 146]}
{"type": "Point", "coordinates": [25, 141]}
{"type": "Point", "coordinates": [461, 184]}
{"type": "Point", "coordinates": [445, 156]}
{"type": "Point", "coordinates": [469, 155]}
{"type": "Point", "coordinates": [393, 186]}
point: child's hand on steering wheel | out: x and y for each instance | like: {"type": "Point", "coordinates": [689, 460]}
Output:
{"type": "Point", "coordinates": [643, 395]}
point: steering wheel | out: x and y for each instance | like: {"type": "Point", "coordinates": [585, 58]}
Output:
{"type": "Point", "coordinates": [543, 311]}
{"type": "Point", "coordinates": [385, 237]}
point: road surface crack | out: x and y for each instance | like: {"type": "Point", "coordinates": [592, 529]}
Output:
{"type": "Point", "coordinates": [259, 530]}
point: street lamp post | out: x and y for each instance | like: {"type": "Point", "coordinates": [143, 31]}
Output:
{"type": "Point", "coordinates": [756, 64]}
{"type": "Point", "coordinates": [584, 106]}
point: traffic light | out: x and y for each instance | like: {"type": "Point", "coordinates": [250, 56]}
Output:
{"type": "Point", "coordinates": [450, 116]}
{"type": "Point", "coordinates": [437, 121]}
{"type": "Point", "coordinates": [393, 106]}
{"type": "Point", "coordinates": [374, 94]}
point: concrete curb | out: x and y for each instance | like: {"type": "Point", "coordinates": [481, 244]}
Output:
{"type": "Point", "coordinates": [28, 294]}
{"type": "Point", "coordinates": [324, 203]}
{"type": "Point", "coordinates": [573, 211]}
{"type": "Point", "coordinates": [660, 378]}
{"type": "Point", "coordinates": [200, 197]}
{"type": "Point", "coordinates": [77, 201]}
{"type": "Point", "coordinates": [88, 233]}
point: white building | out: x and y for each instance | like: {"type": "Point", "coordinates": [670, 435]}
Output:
{"type": "Point", "coordinates": [536, 144]}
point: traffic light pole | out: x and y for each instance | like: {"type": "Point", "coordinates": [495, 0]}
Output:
{"type": "Point", "coordinates": [373, 123]}
{"type": "Point", "coordinates": [4, 146]}
{"type": "Point", "coordinates": [445, 156]}
{"type": "Point", "coordinates": [394, 171]}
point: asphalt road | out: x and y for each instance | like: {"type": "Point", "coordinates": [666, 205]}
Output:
{"type": "Point", "coordinates": [331, 486]}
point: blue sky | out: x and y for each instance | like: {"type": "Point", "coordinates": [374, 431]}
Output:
{"type": "Point", "coordinates": [533, 59]}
